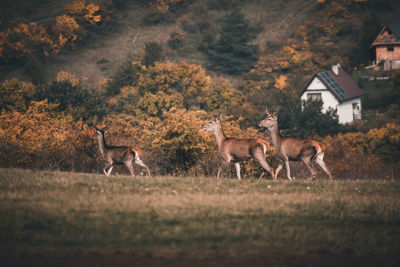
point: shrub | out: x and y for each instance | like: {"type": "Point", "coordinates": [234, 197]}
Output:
{"type": "Point", "coordinates": [374, 154]}
{"type": "Point", "coordinates": [35, 139]}
{"type": "Point", "coordinates": [152, 53]}
{"type": "Point", "coordinates": [16, 94]}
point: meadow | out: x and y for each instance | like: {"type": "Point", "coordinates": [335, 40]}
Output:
{"type": "Point", "coordinates": [79, 219]}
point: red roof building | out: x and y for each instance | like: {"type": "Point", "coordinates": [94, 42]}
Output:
{"type": "Point", "coordinates": [386, 46]}
{"type": "Point", "coordinates": [337, 90]}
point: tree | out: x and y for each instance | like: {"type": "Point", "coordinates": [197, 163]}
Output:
{"type": "Point", "coordinates": [161, 87]}
{"type": "Point", "coordinates": [369, 30]}
{"type": "Point", "coordinates": [152, 53]}
{"type": "Point", "coordinates": [395, 86]}
{"type": "Point", "coordinates": [223, 97]}
{"type": "Point", "coordinates": [232, 52]}
{"type": "Point", "coordinates": [127, 75]}
{"type": "Point", "coordinates": [306, 119]}
{"type": "Point", "coordinates": [75, 99]}
{"type": "Point", "coordinates": [16, 94]}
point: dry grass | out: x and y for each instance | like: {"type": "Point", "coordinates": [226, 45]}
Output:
{"type": "Point", "coordinates": [47, 217]}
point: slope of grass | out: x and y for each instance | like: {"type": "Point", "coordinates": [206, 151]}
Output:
{"type": "Point", "coordinates": [49, 218]}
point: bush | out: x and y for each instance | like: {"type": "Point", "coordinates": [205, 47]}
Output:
{"type": "Point", "coordinates": [365, 155]}
{"type": "Point", "coordinates": [159, 88]}
{"type": "Point", "coordinates": [37, 140]}
{"type": "Point", "coordinates": [75, 99]}
{"type": "Point", "coordinates": [16, 94]}
{"type": "Point", "coordinates": [152, 53]}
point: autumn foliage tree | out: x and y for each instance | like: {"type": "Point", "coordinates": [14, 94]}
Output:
{"type": "Point", "coordinates": [15, 94]}
{"type": "Point", "coordinates": [39, 140]}
{"type": "Point", "coordinates": [159, 88]}
{"type": "Point", "coordinates": [372, 154]}
{"type": "Point", "coordinates": [25, 40]}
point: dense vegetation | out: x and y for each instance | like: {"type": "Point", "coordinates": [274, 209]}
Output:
{"type": "Point", "coordinates": [217, 57]}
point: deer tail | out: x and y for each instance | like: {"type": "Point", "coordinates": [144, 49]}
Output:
{"type": "Point", "coordinates": [265, 145]}
{"type": "Point", "coordinates": [137, 152]}
{"type": "Point", "coordinates": [319, 150]}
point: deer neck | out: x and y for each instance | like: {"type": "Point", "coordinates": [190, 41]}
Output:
{"type": "Point", "coordinates": [102, 144]}
{"type": "Point", "coordinates": [219, 136]}
{"type": "Point", "coordinates": [275, 136]}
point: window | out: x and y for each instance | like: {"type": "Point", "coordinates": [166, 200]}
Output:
{"type": "Point", "coordinates": [390, 48]}
{"type": "Point", "coordinates": [314, 97]}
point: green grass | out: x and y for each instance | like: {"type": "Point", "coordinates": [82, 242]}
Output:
{"type": "Point", "coordinates": [49, 218]}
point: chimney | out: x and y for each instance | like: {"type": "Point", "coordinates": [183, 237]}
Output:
{"type": "Point", "coordinates": [335, 68]}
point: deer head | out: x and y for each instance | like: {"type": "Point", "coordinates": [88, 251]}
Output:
{"type": "Point", "coordinates": [99, 133]}
{"type": "Point", "coordinates": [270, 121]}
{"type": "Point", "coordinates": [213, 125]}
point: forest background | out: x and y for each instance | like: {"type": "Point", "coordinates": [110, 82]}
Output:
{"type": "Point", "coordinates": [153, 72]}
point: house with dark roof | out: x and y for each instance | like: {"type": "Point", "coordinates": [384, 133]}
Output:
{"type": "Point", "coordinates": [337, 90]}
{"type": "Point", "coordinates": [386, 46]}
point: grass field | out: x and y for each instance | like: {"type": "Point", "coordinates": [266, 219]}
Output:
{"type": "Point", "coordinates": [74, 219]}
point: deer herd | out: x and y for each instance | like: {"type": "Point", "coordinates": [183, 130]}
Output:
{"type": "Point", "coordinates": [232, 150]}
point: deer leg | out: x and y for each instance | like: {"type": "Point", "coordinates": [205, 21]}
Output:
{"type": "Point", "coordinates": [319, 160]}
{"type": "Point", "coordinates": [107, 173]}
{"type": "Point", "coordinates": [221, 166]}
{"type": "Point", "coordinates": [138, 161]}
{"type": "Point", "coordinates": [129, 165]}
{"type": "Point", "coordinates": [237, 167]}
{"type": "Point", "coordinates": [278, 169]}
{"type": "Point", "coordinates": [287, 167]}
{"type": "Point", "coordinates": [307, 162]}
{"type": "Point", "coordinates": [260, 157]}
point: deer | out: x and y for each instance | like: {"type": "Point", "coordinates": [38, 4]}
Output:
{"type": "Point", "coordinates": [236, 149]}
{"type": "Point", "coordinates": [294, 149]}
{"type": "Point", "coordinates": [118, 155]}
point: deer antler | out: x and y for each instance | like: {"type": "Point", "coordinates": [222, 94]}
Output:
{"type": "Point", "coordinates": [266, 111]}
{"type": "Point", "coordinates": [219, 116]}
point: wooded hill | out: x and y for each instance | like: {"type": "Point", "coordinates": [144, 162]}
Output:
{"type": "Point", "coordinates": [140, 63]}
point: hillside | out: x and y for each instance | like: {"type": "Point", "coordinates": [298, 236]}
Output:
{"type": "Point", "coordinates": [99, 57]}
{"type": "Point", "coordinates": [155, 71]}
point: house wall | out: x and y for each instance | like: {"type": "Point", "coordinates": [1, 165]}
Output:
{"type": "Point", "coordinates": [382, 53]}
{"type": "Point", "coordinates": [344, 109]}
{"type": "Point", "coordinates": [328, 99]}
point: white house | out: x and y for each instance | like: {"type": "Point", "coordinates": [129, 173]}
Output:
{"type": "Point", "coordinates": [337, 91]}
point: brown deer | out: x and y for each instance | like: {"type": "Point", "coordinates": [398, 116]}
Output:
{"type": "Point", "coordinates": [294, 149]}
{"type": "Point", "coordinates": [236, 150]}
{"type": "Point", "coordinates": [118, 155]}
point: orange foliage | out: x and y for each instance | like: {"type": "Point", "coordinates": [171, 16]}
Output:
{"type": "Point", "coordinates": [162, 6]}
{"type": "Point", "coordinates": [24, 40]}
{"type": "Point", "coordinates": [362, 155]}
{"type": "Point", "coordinates": [16, 94]}
{"type": "Point", "coordinates": [89, 12]}
{"type": "Point", "coordinates": [64, 76]}
{"type": "Point", "coordinates": [280, 82]}
{"type": "Point", "coordinates": [38, 140]}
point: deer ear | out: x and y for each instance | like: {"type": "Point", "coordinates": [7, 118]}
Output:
{"type": "Point", "coordinates": [219, 117]}
{"type": "Point", "coordinates": [275, 114]}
